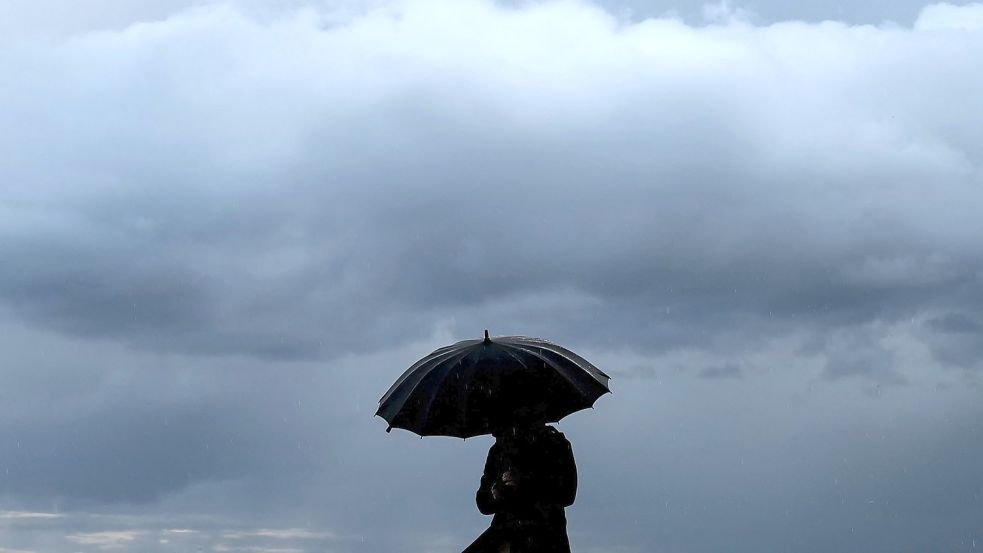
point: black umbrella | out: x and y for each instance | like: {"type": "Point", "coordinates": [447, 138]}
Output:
{"type": "Point", "coordinates": [474, 386]}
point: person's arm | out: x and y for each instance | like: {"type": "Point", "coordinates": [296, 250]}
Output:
{"type": "Point", "coordinates": [486, 500]}
{"type": "Point", "coordinates": [561, 480]}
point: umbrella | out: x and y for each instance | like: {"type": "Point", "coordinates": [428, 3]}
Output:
{"type": "Point", "coordinates": [474, 386]}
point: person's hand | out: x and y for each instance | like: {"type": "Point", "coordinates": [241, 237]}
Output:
{"type": "Point", "coordinates": [509, 479]}
{"type": "Point", "coordinates": [496, 491]}
{"type": "Point", "coordinates": [505, 486]}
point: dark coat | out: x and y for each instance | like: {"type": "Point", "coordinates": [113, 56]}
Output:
{"type": "Point", "coordinates": [529, 513]}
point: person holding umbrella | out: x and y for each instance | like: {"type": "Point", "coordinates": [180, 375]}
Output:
{"type": "Point", "coordinates": [530, 476]}
{"type": "Point", "coordinates": [510, 387]}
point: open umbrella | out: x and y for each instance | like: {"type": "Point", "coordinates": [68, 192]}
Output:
{"type": "Point", "coordinates": [472, 387]}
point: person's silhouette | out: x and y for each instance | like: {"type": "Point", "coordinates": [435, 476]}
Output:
{"type": "Point", "coordinates": [530, 476]}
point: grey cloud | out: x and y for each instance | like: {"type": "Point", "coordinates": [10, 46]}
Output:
{"type": "Point", "coordinates": [288, 445]}
{"type": "Point", "coordinates": [228, 232]}
{"type": "Point", "coordinates": [722, 371]}
{"type": "Point", "coordinates": [88, 425]}
{"type": "Point", "coordinates": [49, 18]}
{"type": "Point", "coordinates": [699, 12]}
{"type": "Point", "coordinates": [856, 350]}
{"type": "Point", "coordinates": [834, 470]}
{"type": "Point", "coordinates": [955, 339]}
{"type": "Point", "coordinates": [386, 202]}
{"type": "Point", "coordinates": [955, 323]}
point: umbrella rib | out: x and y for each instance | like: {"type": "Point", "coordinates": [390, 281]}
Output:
{"type": "Point", "coordinates": [412, 389]}
{"type": "Point", "coordinates": [577, 360]}
{"type": "Point", "coordinates": [575, 386]}
{"type": "Point", "coordinates": [464, 396]}
{"type": "Point", "coordinates": [409, 372]}
{"type": "Point", "coordinates": [527, 342]}
{"type": "Point", "coordinates": [424, 377]}
{"type": "Point", "coordinates": [436, 392]}
{"type": "Point", "coordinates": [518, 360]}
{"type": "Point", "coordinates": [431, 357]}
{"type": "Point", "coordinates": [552, 364]}
{"type": "Point", "coordinates": [585, 365]}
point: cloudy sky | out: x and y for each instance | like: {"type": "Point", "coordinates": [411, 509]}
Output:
{"type": "Point", "coordinates": [227, 227]}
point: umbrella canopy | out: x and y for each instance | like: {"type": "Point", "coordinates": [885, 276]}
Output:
{"type": "Point", "coordinates": [475, 386]}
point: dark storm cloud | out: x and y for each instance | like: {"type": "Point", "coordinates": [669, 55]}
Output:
{"type": "Point", "coordinates": [685, 183]}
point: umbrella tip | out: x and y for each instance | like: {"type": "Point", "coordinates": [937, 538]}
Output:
{"type": "Point", "coordinates": [487, 339]}
{"type": "Point", "coordinates": [389, 429]}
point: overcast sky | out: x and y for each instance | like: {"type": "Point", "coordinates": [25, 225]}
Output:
{"type": "Point", "coordinates": [226, 228]}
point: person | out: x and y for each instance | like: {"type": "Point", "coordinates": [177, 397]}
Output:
{"type": "Point", "coordinates": [530, 477]}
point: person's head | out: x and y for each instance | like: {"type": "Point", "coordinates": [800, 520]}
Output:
{"type": "Point", "coordinates": [517, 406]}
{"type": "Point", "coordinates": [517, 422]}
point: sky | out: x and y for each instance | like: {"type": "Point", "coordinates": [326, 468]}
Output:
{"type": "Point", "coordinates": [227, 227]}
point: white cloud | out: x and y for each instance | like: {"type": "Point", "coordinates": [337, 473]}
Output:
{"type": "Point", "coordinates": [280, 534]}
{"type": "Point", "coordinates": [28, 515]}
{"type": "Point", "coordinates": [948, 17]}
{"type": "Point", "coordinates": [180, 531]}
{"type": "Point", "coordinates": [221, 547]}
{"type": "Point", "coordinates": [105, 540]}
